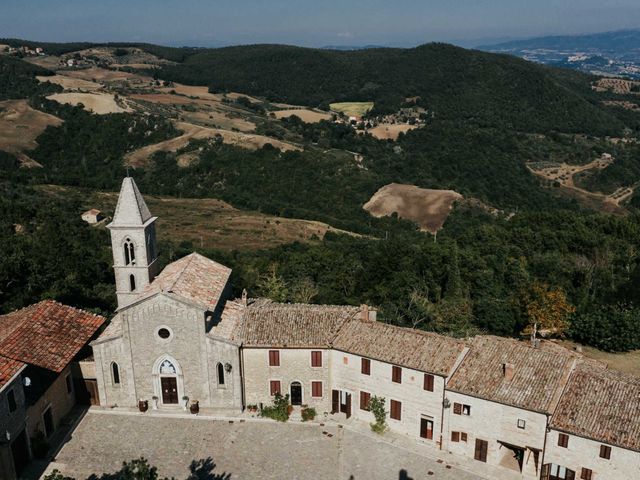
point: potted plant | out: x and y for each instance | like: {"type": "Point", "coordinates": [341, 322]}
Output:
{"type": "Point", "coordinates": [185, 400]}
{"type": "Point", "coordinates": [143, 405]}
{"type": "Point", "coordinates": [252, 408]}
{"type": "Point", "coordinates": [194, 407]}
{"type": "Point", "coordinates": [155, 402]}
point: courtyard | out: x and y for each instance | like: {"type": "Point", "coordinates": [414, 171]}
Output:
{"type": "Point", "coordinates": [234, 449]}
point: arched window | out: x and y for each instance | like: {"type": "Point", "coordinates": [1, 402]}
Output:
{"type": "Point", "coordinates": [132, 282]}
{"type": "Point", "coordinates": [220, 374]}
{"type": "Point", "coordinates": [129, 252]}
{"type": "Point", "coordinates": [115, 373]}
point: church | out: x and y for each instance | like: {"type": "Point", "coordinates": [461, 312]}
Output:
{"type": "Point", "coordinates": [178, 336]}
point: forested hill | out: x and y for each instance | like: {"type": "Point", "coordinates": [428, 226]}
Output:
{"type": "Point", "coordinates": [468, 86]}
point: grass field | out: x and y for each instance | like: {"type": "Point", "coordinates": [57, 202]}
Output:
{"type": "Point", "coordinates": [355, 109]}
{"type": "Point", "coordinates": [628, 362]}
{"type": "Point", "coordinates": [209, 223]}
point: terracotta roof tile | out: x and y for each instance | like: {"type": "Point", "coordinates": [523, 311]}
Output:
{"type": "Point", "coordinates": [8, 368]}
{"type": "Point", "coordinates": [194, 277]}
{"type": "Point", "coordinates": [603, 405]}
{"type": "Point", "coordinates": [47, 334]}
{"type": "Point", "coordinates": [539, 374]}
{"type": "Point", "coordinates": [292, 325]}
{"type": "Point", "coordinates": [423, 351]}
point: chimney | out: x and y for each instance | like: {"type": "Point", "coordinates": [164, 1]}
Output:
{"type": "Point", "coordinates": [245, 300]}
{"type": "Point", "coordinates": [508, 370]}
{"type": "Point", "coordinates": [364, 312]}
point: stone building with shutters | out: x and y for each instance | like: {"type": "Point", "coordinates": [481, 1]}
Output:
{"type": "Point", "coordinates": [179, 336]}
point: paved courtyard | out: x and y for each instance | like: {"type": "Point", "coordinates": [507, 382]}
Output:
{"type": "Point", "coordinates": [240, 450]}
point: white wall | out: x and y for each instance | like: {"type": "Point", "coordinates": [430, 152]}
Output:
{"type": "Point", "coordinates": [581, 452]}
{"type": "Point", "coordinates": [416, 402]}
{"type": "Point", "coordinates": [495, 422]}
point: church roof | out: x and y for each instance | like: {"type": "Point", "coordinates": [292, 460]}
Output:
{"type": "Point", "coordinates": [603, 405]}
{"type": "Point", "coordinates": [46, 334]}
{"type": "Point", "coordinates": [416, 349]}
{"type": "Point", "coordinates": [194, 278]}
{"type": "Point", "coordinates": [266, 324]}
{"type": "Point", "coordinates": [539, 374]}
{"type": "Point", "coordinates": [131, 208]}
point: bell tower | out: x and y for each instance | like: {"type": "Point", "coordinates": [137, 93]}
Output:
{"type": "Point", "coordinates": [133, 242]}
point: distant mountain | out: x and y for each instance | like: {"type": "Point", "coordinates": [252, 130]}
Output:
{"type": "Point", "coordinates": [607, 53]}
{"type": "Point", "coordinates": [351, 47]}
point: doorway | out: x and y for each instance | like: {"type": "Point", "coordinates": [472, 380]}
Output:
{"type": "Point", "coordinates": [296, 393]}
{"type": "Point", "coordinates": [47, 418]}
{"type": "Point", "coordinates": [169, 390]}
{"type": "Point", "coordinates": [20, 452]}
{"type": "Point", "coordinates": [341, 402]}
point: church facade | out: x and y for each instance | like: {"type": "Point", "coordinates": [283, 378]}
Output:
{"type": "Point", "coordinates": [178, 336]}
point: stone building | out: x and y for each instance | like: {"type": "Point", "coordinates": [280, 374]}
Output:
{"type": "Point", "coordinates": [38, 347]}
{"type": "Point", "coordinates": [178, 336]}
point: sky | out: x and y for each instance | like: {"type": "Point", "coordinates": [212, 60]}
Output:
{"type": "Point", "coordinates": [314, 23]}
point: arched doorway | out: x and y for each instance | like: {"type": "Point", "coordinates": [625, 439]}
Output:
{"type": "Point", "coordinates": [296, 393]}
{"type": "Point", "coordinates": [168, 381]}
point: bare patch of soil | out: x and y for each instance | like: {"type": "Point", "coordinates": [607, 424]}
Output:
{"type": "Point", "coordinates": [427, 208]}
{"type": "Point", "coordinates": [100, 103]}
{"type": "Point", "coordinates": [70, 83]}
{"type": "Point", "coordinates": [20, 125]}
{"type": "Point", "coordinates": [304, 114]}
{"type": "Point", "coordinates": [390, 132]}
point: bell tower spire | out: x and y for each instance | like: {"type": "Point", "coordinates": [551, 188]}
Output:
{"type": "Point", "coordinates": [133, 242]}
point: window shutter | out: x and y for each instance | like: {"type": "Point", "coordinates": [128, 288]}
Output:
{"type": "Point", "coordinates": [428, 382]}
{"type": "Point", "coordinates": [316, 389]}
{"type": "Point", "coordinates": [274, 387]}
{"type": "Point", "coordinates": [426, 428]}
{"type": "Point", "coordinates": [563, 440]}
{"type": "Point", "coordinates": [365, 366]}
{"type": "Point", "coordinates": [396, 374]}
{"type": "Point", "coordinates": [335, 401]}
{"type": "Point", "coordinates": [316, 359]}
{"type": "Point", "coordinates": [457, 408]}
{"type": "Point", "coordinates": [481, 450]}
{"type": "Point", "coordinates": [605, 452]}
{"type": "Point", "coordinates": [274, 358]}
{"type": "Point", "coordinates": [463, 437]}
{"type": "Point", "coordinates": [365, 399]}
{"type": "Point", "coordinates": [585, 474]}
{"type": "Point", "coordinates": [396, 410]}
{"type": "Point", "coordinates": [455, 436]}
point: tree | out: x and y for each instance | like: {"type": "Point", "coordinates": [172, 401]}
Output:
{"type": "Point", "coordinates": [273, 285]}
{"type": "Point", "coordinates": [376, 404]}
{"type": "Point", "coordinates": [547, 310]}
{"type": "Point", "coordinates": [304, 291]}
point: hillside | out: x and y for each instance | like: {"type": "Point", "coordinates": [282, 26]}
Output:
{"type": "Point", "coordinates": [459, 85]}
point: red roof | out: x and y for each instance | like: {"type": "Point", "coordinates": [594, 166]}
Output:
{"type": "Point", "coordinates": [8, 368]}
{"type": "Point", "coordinates": [46, 334]}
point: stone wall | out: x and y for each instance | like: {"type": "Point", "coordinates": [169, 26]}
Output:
{"type": "Point", "coordinates": [295, 366]}
{"type": "Point", "coordinates": [58, 398]}
{"type": "Point", "coordinates": [584, 453]}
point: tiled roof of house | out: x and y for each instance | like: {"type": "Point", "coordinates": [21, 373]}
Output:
{"type": "Point", "coordinates": [601, 404]}
{"type": "Point", "coordinates": [8, 368]}
{"type": "Point", "coordinates": [47, 334]}
{"type": "Point", "coordinates": [539, 374]}
{"type": "Point", "coordinates": [423, 351]}
{"type": "Point", "coordinates": [194, 277]}
{"type": "Point", "coordinates": [292, 325]}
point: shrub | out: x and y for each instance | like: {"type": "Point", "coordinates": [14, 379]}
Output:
{"type": "Point", "coordinates": [308, 414]}
{"type": "Point", "coordinates": [377, 408]}
{"type": "Point", "coordinates": [279, 410]}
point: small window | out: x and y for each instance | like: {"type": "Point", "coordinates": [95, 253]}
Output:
{"type": "Point", "coordinates": [220, 370]}
{"type": "Point", "coordinates": [522, 424]}
{"type": "Point", "coordinates": [274, 387]}
{"type": "Point", "coordinates": [466, 410]}
{"type": "Point", "coordinates": [316, 389]}
{"type": "Point", "coordinates": [365, 401]}
{"type": "Point", "coordinates": [11, 400]}
{"type": "Point", "coordinates": [164, 333]}
{"type": "Point", "coordinates": [455, 436]}
{"type": "Point", "coordinates": [396, 410]}
{"type": "Point", "coordinates": [396, 374]}
{"type": "Point", "coordinates": [115, 373]}
{"type": "Point", "coordinates": [365, 366]}
{"type": "Point", "coordinates": [428, 382]}
{"type": "Point", "coordinates": [132, 283]}
{"type": "Point", "coordinates": [563, 440]}
{"type": "Point", "coordinates": [585, 474]}
{"type": "Point", "coordinates": [129, 252]}
{"type": "Point", "coordinates": [463, 436]}
{"type": "Point", "coordinates": [605, 451]}
{"type": "Point", "coordinates": [316, 358]}
{"type": "Point", "coordinates": [69, 383]}
{"type": "Point", "coordinates": [274, 358]}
